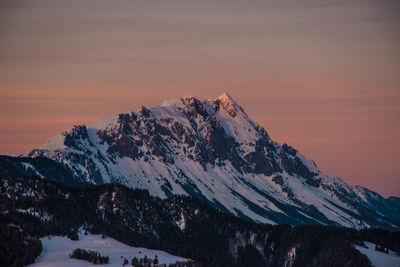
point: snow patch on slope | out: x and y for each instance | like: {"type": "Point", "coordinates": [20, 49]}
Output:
{"type": "Point", "coordinates": [105, 122]}
{"type": "Point", "coordinates": [29, 166]}
{"type": "Point", "coordinates": [56, 143]}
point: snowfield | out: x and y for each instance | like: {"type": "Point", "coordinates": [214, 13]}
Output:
{"type": "Point", "coordinates": [57, 249]}
{"type": "Point", "coordinates": [379, 259]}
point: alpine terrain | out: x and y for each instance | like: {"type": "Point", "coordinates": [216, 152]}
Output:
{"type": "Point", "coordinates": [210, 150]}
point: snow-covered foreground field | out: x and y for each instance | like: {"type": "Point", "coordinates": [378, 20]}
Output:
{"type": "Point", "coordinates": [57, 249]}
{"type": "Point", "coordinates": [379, 259]}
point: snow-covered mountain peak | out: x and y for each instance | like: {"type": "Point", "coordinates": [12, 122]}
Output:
{"type": "Point", "coordinates": [211, 150]}
{"type": "Point", "coordinates": [230, 106]}
{"type": "Point", "coordinates": [225, 97]}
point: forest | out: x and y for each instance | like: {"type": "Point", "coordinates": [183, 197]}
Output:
{"type": "Point", "coordinates": [31, 208]}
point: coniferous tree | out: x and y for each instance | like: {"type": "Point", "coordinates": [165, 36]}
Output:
{"type": "Point", "coordinates": [135, 261]}
{"type": "Point", "coordinates": [155, 259]}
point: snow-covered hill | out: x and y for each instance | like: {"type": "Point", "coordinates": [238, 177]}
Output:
{"type": "Point", "coordinates": [377, 258]}
{"type": "Point", "coordinates": [213, 151]}
{"type": "Point", "coordinates": [56, 251]}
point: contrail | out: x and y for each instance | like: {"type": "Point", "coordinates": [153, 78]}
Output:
{"type": "Point", "coordinates": [201, 53]}
{"type": "Point", "coordinates": [219, 64]}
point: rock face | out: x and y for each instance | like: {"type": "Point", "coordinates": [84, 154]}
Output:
{"type": "Point", "coordinates": [213, 151]}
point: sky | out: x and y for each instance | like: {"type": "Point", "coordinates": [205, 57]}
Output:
{"type": "Point", "coordinates": [322, 76]}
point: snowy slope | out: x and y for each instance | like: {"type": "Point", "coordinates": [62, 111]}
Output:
{"type": "Point", "coordinates": [57, 249]}
{"type": "Point", "coordinates": [213, 151]}
{"type": "Point", "coordinates": [379, 259]}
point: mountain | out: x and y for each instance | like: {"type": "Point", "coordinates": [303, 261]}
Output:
{"type": "Point", "coordinates": [213, 151]}
{"type": "Point", "coordinates": [32, 207]}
